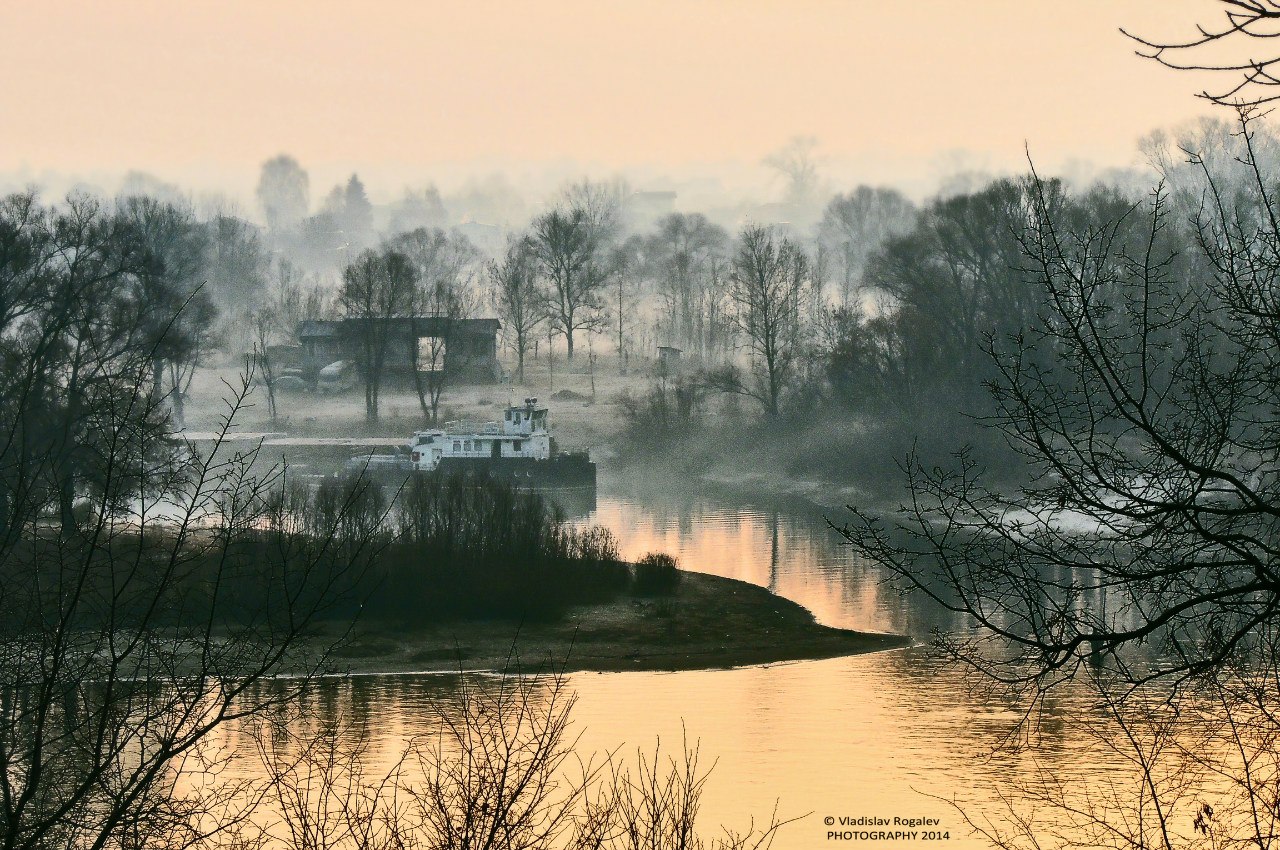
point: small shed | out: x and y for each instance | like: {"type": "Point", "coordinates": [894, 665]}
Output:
{"type": "Point", "coordinates": [668, 360]}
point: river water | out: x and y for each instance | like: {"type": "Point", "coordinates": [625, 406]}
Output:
{"type": "Point", "coordinates": [891, 734]}
{"type": "Point", "coordinates": [887, 735]}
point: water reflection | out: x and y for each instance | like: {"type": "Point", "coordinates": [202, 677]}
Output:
{"type": "Point", "coordinates": [787, 546]}
{"type": "Point", "coordinates": [886, 735]}
{"type": "Point", "coordinates": [893, 734]}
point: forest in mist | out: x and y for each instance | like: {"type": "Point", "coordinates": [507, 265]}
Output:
{"type": "Point", "coordinates": [819, 306]}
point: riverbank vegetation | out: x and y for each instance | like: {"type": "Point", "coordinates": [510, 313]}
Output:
{"type": "Point", "coordinates": [465, 568]}
{"type": "Point", "coordinates": [462, 547]}
{"type": "Point", "coordinates": [1139, 552]}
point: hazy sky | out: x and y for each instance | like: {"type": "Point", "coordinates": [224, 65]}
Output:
{"type": "Point", "coordinates": [202, 92]}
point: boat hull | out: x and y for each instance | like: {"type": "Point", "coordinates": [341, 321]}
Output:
{"type": "Point", "coordinates": [566, 470]}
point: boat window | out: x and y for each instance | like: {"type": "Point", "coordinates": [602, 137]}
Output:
{"type": "Point", "coordinates": [517, 445]}
{"type": "Point", "coordinates": [457, 445]}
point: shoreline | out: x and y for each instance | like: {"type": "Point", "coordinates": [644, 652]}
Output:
{"type": "Point", "coordinates": [710, 623]}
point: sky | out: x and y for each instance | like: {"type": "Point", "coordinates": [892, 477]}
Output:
{"type": "Point", "coordinates": [201, 93]}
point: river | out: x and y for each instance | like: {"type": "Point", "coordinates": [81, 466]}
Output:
{"type": "Point", "coordinates": [891, 734]}
{"type": "Point", "coordinates": [886, 735]}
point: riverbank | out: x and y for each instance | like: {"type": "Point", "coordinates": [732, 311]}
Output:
{"type": "Point", "coordinates": [711, 622]}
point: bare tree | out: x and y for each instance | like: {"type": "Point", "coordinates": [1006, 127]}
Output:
{"type": "Point", "coordinates": [234, 273]}
{"type": "Point", "coordinates": [262, 325]}
{"type": "Point", "coordinates": [444, 266]}
{"type": "Point", "coordinates": [574, 245]}
{"type": "Point", "coordinates": [769, 285]}
{"type": "Point", "coordinates": [286, 299]}
{"type": "Point", "coordinates": [683, 258]}
{"type": "Point", "coordinates": [197, 322]}
{"type": "Point", "coordinates": [601, 203]}
{"type": "Point", "coordinates": [27, 249]}
{"type": "Point", "coordinates": [717, 309]}
{"type": "Point", "coordinates": [377, 288]}
{"type": "Point", "coordinates": [76, 309]}
{"type": "Point", "coordinates": [958, 277]}
{"type": "Point", "coordinates": [855, 225]}
{"type": "Point", "coordinates": [180, 311]}
{"type": "Point", "coordinates": [1216, 50]}
{"type": "Point", "coordinates": [566, 250]}
{"type": "Point", "coordinates": [499, 770]}
{"type": "Point", "coordinates": [517, 296]}
{"type": "Point", "coordinates": [235, 262]}
{"type": "Point", "coordinates": [795, 162]}
{"type": "Point", "coordinates": [628, 264]}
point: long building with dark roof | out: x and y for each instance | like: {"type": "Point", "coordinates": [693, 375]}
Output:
{"type": "Point", "coordinates": [470, 351]}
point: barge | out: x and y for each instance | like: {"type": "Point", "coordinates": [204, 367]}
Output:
{"type": "Point", "coordinates": [519, 448]}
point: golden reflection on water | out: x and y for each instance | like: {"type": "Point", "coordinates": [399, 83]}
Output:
{"type": "Point", "coordinates": [799, 560]}
{"type": "Point", "coordinates": [880, 735]}
{"type": "Point", "coordinates": [886, 735]}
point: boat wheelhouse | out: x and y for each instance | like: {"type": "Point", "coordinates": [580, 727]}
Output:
{"type": "Point", "coordinates": [522, 434]}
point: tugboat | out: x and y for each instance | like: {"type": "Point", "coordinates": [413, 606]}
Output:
{"type": "Point", "coordinates": [520, 448]}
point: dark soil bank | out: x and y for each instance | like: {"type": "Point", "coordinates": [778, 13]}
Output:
{"type": "Point", "coordinates": [710, 622]}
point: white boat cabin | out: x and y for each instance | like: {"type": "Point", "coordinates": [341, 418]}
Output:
{"type": "Point", "coordinates": [522, 433]}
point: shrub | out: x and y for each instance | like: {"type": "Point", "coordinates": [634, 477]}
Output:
{"type": "Point", "coordinates": [477, 547]}
{"type": "Point", "coordinates": [656, 574]}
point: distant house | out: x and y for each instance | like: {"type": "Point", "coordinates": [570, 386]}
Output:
{"type": "Point", "coordinates": [470, 346]}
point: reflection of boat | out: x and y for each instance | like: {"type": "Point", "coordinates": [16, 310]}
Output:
{"type": "Point", "coordinates": [574, 502]}
{"type": "Point", "coordinates": [520, 448]}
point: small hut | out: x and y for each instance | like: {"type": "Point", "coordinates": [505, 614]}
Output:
{"type": "Point", "coordinates": [668, 360]}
